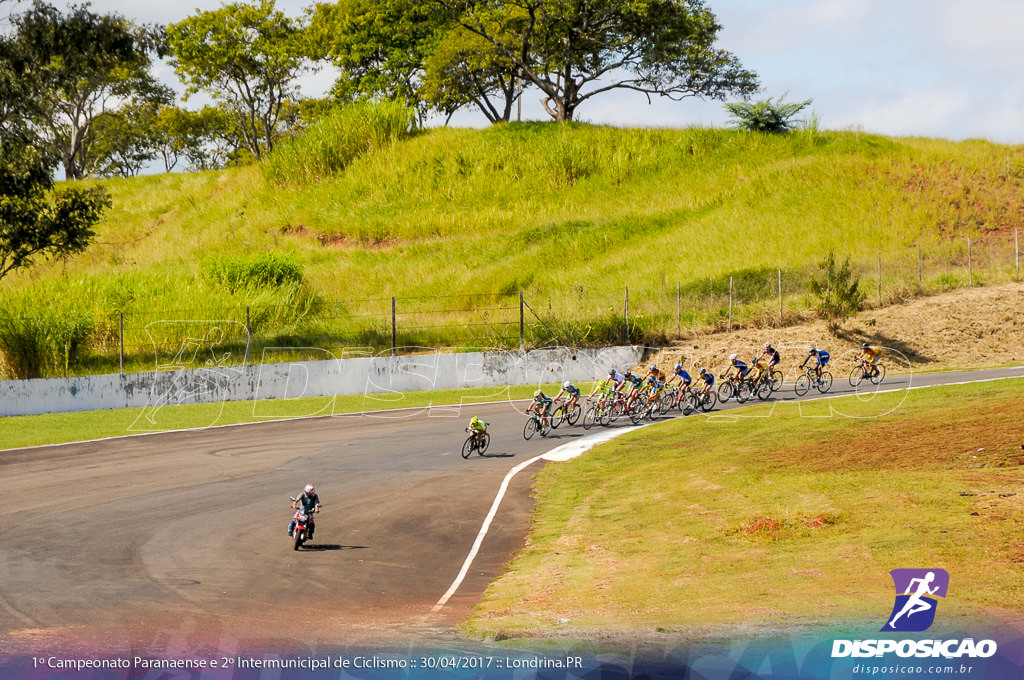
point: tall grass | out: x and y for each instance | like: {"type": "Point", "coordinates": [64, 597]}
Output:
{"type": "Point", "coordinates": [570, 215]}
{"type": "Point", "coordinates": [333, 142]}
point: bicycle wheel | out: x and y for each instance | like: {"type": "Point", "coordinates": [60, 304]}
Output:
{"type": "Point", "coordinates": [590, 417]}
{"type": "Point", "coordinates": [825, 383]}
{"type": "Point", "coordinates": [482, 446]}
{"type": "Point", "coordinates": [764, 390]}
{"type": "Point", "coordinates": [743, 391]}
{"type": "Point", "coordinates": [776, 380]}
{"type": "Point", "coordinates": [556, 418]}
{"type": "Point", "coordinates": [544, 428]}
{"type": "Point", "coordinates": [856, 376]}
{"type": "Point", "coordinates": [574, 416]}
{"type": "Point", "coordinates": [604, 415]}
{"type": "Point", "coordinates": [530, 428]}
{"type": "Point", "coordinates": [725, 392]}
{"type": "Point", "coordinates": [877, 378]}
{"type": "Point", "coordinates": [708, 402]}
{"type": "Point", "coordinates": [467, 448]}
{"type": "Point", "coordinates": [803, 383]}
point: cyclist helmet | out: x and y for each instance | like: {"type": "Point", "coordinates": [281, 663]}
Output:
{"type": "Point", "coordinates": [611, 373]}
{"type": "Point", "coordinates": [654, 367]}
{"type": "Point", "coordinates": [767, 345]}
{"type": "Point", "coordinates": [628, 372]}
{"type": "Point", "coordinates": [865, 346]}
{"type": "Point", "coordinates": [734, 357]}
{"type": "Point", "coordinates": [309, 490]}
{"type": "Point", "coordinates": [814, 349]}
{"type": "Point", "coordinates": [703, 370]}
{"type": "Point", "coordinates": [601, 384]}
{"type": "Point", "coordinates": [679, 367]}
{"type": "Point", "coordinates": [566, 385]}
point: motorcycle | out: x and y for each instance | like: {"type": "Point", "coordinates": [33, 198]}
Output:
{"type": "Point", "coordinates": [302, 532]}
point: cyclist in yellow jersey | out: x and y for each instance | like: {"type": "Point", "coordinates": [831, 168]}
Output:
{"type": "Point", "coordinates": [870, 354]}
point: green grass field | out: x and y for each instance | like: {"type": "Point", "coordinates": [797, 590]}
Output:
{"type": "Point", "coordinates": [455, 223]}
{"type": "Point", "coordinates": [782, 520]}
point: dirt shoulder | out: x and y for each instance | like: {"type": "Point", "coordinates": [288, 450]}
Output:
{"type": "Point", "coordinates": [964, 328]}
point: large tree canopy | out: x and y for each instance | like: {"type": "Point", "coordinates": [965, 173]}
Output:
{"type": "Point", "coordinates": [73, 68]}
{"type": "Point", "coordinates": [247, 57]}
{"type": "Point", "coordinates": [573, 50]}
{"type": "Point", "coordinates": [35, 221]}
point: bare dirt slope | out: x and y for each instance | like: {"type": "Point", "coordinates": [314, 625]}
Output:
{"type": "Point", "coordinates": [964, 328]}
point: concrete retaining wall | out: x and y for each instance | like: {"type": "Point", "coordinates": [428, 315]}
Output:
{"type": "Point", "coordinates": [370, 375]}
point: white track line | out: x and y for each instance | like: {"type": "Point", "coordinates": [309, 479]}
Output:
{"type": "Point", "coordinates": [560, 453]}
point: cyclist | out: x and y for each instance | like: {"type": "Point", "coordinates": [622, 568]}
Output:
{"type": "Point", "coordinates": [632, 385]}
{"type": "Point", "coordinates": [742, 370]}
{"type": "Point", "coordinates": [680, 375]}
{"type": "Point", "coordinates": [821, 357]}
{"type": "Point", "coordinates": [602, 390]}
{"type": "Point", "coordinates": [478, 428]}
{"type": "Point", "coordinates": [541, 404]}
{"type": "Point", "coordinates": [658, 374]}
{"type": "Point", "coordinates": [653, 386]}
{"type": "Point", "coordinates": [771, 354]}
{"type": "Point", "coordinates": [572, 396]}
{"type": "Point", "coordinates": [869, 355]}
{"type": "Point", "coordinates": [707, 381]}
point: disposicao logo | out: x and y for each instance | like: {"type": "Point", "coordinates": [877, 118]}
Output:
{"type": "Point", "coordinates": [916, 592]}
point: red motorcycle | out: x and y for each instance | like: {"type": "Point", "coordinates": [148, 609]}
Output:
{"type": "Point", "coordinates": [303, 529]}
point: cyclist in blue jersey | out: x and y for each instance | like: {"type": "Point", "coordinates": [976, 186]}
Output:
{"type": "Point", "coordinates": [821, 358]}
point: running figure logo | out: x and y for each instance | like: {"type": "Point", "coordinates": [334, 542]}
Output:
{"type": "Point", "coordinates": [916, 591]}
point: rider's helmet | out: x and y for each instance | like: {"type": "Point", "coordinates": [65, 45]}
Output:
{"type": "Point", "coordinates": [566, 385]}
{"type": "Point", "coordinates": [679, 367]}
{"type": "Point", "coordinates": [654, 367]}
{"type": "Point", "coordinates": [601, 384]}
{"type": "Point", "coordinates": [767, 345]}
{"type": "Point", "coordinates": [537, 394]}
{"type": "Point", "coordinates": [703, 370]}
{"type": "Point", "coordinates": [734, 357]}
{"type": "Point", "coordinates": [611, 373]}
{"type": "Point", "coordinates": [814, 349]}
{"type": "Point", "coordinates": [309, 490]}
{"type": "Point", "coordinates": [865, 346]}
{"type": "Point", "coordinates": [628, 373]}
{"type": "Point", "coordinates": [474, 421]}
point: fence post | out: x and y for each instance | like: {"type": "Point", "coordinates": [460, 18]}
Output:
{"type": "Point", "coordinates": [248, 337]}
{"type": "Point", "coordinates": [730, 303]}
{"type": "Point", "coordinates": [920, 272]}
{"type": "Point", "coordinates": [628, 334]}
{"type": "Point", "coordinates": [394, 328]}
{"type": "Point", "coordinates": [679, 313]}
{"type": "Point", "coordinates": [120, 352]}
{"type": "Point", "coordinates": [1016, 254]}
{"type": "Point", "coordinates": [780, 298]}
{"type": "Point", "coordinates": [879, 279]}
{"type": "Point", "coordinates": [970, 264]}
{"type": "Point", "coordinates": [522, 325]}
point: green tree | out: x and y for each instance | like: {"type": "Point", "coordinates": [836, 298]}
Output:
{"type": "Point", "coordinates": [75, 67]}
{"type": "Point", "coordinates": [573, 50]}
{"type": "Point", "coordinates": [837, 291]}
{"type": "Point", "coordinates": [248, 58]}
{"type": "Point", "coordinates": [379, 47]}
{"type": "Point", "coordinates": [768, 116]}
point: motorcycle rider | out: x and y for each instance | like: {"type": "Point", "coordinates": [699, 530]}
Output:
{"type": "Point", "coordinates": [310, 501]}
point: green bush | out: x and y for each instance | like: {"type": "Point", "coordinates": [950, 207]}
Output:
{"type": "Point", "coordinates": [267, 270]}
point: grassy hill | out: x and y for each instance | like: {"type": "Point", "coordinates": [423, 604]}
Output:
{"type": "Point", "coordinates": [455, 223]}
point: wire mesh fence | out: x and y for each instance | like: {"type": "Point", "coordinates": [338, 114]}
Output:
{"type": "Point", "coordinates": [649, 313]}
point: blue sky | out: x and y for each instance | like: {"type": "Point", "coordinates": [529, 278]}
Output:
{"type": "Point", "coordinates": [940, 68]}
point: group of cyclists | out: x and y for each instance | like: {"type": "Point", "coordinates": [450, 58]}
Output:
{"type": "Point", "coordinates": [631, 386]}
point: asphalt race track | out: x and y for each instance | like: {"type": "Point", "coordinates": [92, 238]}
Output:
{"type": "Point", "coordinates": [166, 542]}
